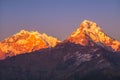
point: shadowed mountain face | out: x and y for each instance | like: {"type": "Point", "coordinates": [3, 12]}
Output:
{"type": "Point", "coordinates": [24, 42]}
{"type": "Point", "coordinates": [66, 61]}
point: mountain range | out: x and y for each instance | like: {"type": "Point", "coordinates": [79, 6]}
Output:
{"type": "Point", "coordinates": [87, 54]}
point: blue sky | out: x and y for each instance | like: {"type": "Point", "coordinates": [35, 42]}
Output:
{"type": "Point", "coordinates": [58, 17]}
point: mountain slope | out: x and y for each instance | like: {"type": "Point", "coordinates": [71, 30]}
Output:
{"type": "Point", "coordinates": [87, 54]}
{"type": "Point", "coordinates": [89, 32]}
{"type": "Point", "coordinates": [24, 42]}
{"type": "Point", "coordinates": [66, 61]}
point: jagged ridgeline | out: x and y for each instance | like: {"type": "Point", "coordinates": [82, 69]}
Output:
{"type": "Point", "coordinates": [89, 33]}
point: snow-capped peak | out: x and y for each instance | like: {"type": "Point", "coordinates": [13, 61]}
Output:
{"type": "Point", "coordinates": [90, 31]}
{"type": "Point", "coordinates": [24, 42]}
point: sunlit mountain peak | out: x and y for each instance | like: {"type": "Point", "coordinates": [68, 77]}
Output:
{"type": "Point", "coordinates": [89, 32]}
{"type": "Point", "coordinates": [89, 25]}
{"type": "Point", "coordinates": [24, 42]}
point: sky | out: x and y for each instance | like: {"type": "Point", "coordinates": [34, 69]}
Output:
{"type": "Point", "coordinates": [58, 18]}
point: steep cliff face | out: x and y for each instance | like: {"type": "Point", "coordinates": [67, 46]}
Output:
{"type": "Point", "coordinates": [24, 42]}
{"type": "Point", "coordinates": [89, 32]}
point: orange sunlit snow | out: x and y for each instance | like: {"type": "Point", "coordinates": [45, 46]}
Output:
{"type": "Point", "coordinates": [24, 42]}
{"type": "Point", "coordinates": [88, 31]}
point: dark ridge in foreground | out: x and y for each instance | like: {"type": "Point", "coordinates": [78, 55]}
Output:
{"type": "Point", "coordinates": [66, 61]}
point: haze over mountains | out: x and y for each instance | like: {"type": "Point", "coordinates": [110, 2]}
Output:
{"type": "Point", "coordinates": [87, 54]}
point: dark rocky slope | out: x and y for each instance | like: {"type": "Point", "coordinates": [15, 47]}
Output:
{"type": "Point", "coordinates": [66, 61]}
